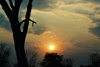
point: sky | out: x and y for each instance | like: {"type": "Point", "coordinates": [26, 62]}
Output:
{"type": "Point", "coordinates": [72, 25]}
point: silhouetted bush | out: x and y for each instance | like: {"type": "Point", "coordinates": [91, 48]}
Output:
{"type": "Point", "coordinates": [31, 57]}
{"type": "Point", "coordinates": [95, 59]}
{"type": "Point", "coordinates": [4, 54]}
{"type": "Point", "coordinates": [52, 60]}
{"type": "Point", "coordinates": [68, 62]}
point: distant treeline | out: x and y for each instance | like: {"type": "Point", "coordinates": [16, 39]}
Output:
{"type": "Point", "coordinates": [50, 59]}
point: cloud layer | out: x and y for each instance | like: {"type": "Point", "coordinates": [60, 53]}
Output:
{"type": "Point", "coordinates": [74, 24]}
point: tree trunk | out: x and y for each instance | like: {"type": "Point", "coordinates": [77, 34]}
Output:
{"type": "Point", "coordinates": [12, 13]}
{"type": "Point", "coordinates": [20, 51]}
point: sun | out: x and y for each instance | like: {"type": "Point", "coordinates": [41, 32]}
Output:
{"type": "Point", "coordinates": [52, 47]}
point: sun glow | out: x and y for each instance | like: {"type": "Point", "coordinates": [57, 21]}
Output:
{"type": "Point", "coordinates": [52, 47]}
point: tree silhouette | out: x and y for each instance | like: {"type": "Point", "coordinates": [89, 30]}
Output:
{"type": "Point", "coordinates": [52, 60]}
{"type": "Point", "coordinates": [95, 59]}
{"type": "Point", "coordinates": [68, 62]}
{"type": "Point", "coordinates": [32, 57]}
{"type": "Point", "coordinates": [12, 12]}
{"type": "Point", "coordinates": [4, 54]}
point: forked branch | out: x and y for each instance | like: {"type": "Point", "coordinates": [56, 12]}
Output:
{"type": "Point", "coordinates": [11, 4]}
{"type": "Point", "coordinates": [6, 8]}
{"type": "Point", "coordinates": [23, 21]}
{"type": "Point", "coordinates": [27, 17]}
{"type": "Point", "coordinates": [17, 6]}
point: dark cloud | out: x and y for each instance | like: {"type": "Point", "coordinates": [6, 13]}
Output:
{"type": "Point", "coordinates": [81, 1]}
{"type": "Point", "coordinates": [41, 4]}
{"type": "Point", "coordinates": [71, 1]}
{"type": "Point", "coordinates": [97, 8]}
{"type": "Point", "coordinates": [94, 1]}
{"type": "Point", "coordinates": [39, 29]}
{"type": "Point", "coordinates": [96, 19]}
{"type": "Point", "coordinates": [4, 22]}
{"type": "Point", "coordinates": [44, 4]}
{"type": "Point", "coordinates": [96, 31]}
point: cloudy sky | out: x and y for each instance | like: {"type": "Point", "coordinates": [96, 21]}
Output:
{"type": "Point", "coordinates": [72, 25]}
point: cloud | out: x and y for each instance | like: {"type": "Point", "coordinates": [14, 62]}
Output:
{"type": "Point", "coordinates": [89, 10]}
{"type": "Point", "coordinates": [93, 1]}
{"type": "Point", "coordinates": [85, 9]}
{"type": "Point", "coordinates": [72, 20]}
{"type": "Point", "coordinates": [81, 1]}
{"type": "Point", "coordinates": [71, 1]}
{"type": "Point", "coordinates": [4, 22]}
{"type": "Point", "coordinates": [44, 4]}
{"type": "Point", "coordinates": [5, 36]}
{"type": "Point", "coordinates": [37, 29]}
{"type": "Point", "coordinates": [41, 4]}
{"type": "Point", "coordinates": [96, 19]}
{"type": "Point", "coordinates": [96, 31]}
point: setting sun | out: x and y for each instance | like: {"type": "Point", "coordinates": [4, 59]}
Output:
{"type": "Point", "coordinates": [52, 47]}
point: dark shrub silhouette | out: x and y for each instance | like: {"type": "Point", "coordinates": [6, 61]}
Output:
{"type": "Point", "coordinates": [95, 59]}
{"type": "Point", "coordinates": [68, 62]}
{"type": "Point", "coordinates": [31, 57]}
{"type": "Point", "coordinates": [4, 55]}
{"type": "Point", "coordinates": [86, 66]}
{"type": "Point", "coordinates": [52, 60]}
{"type": "Point", "coordinates": [15, 65]}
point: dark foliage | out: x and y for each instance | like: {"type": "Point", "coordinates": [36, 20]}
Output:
{"type": "Point", "coordinates": [68, 62]}
{"type": "Point", "coordinates": [4, 54]}
{"type": "Point", "coordinates": [52, 60]}
{"type": "Point", "coordinates": [94, 60]}
{"type": "Point", "coordinates": [31, 57]}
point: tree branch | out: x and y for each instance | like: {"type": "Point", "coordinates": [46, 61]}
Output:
{"type": "Point", "coordinates": [33, 22]}
{"type": "Point", "coordinates": [6, 8]}
{"type": "Point", "coordinates": [22, 22]}
{"type": "Point", "coordinates": [25, 28]}
{"type": "Point", "coordinates": [17, 6]}
{"type": "Point", "coordinates": [11, 4]}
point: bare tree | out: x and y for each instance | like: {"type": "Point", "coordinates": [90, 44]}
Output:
{"type": "Point", "coordinates": [19, 36]}
{"type": "Point", "coordinates": [31, 58]}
